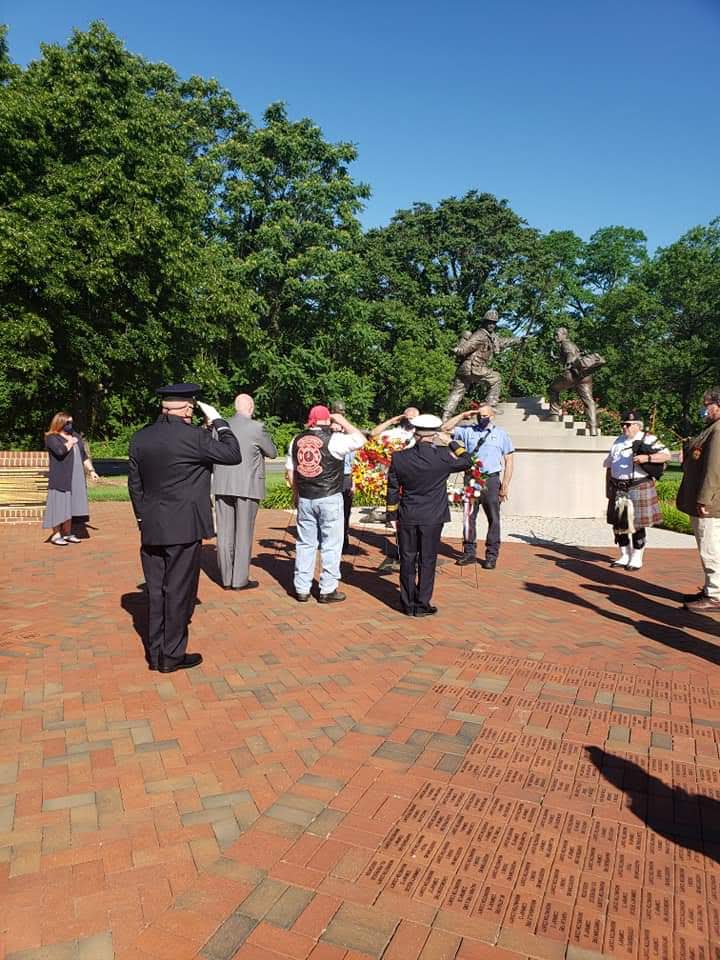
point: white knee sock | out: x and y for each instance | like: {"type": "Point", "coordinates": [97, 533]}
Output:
{"type": "Point", "coordinates": [636, 558]}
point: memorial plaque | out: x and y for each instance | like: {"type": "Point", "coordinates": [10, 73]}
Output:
{"type": "Point", "coordinates": [691, 948]}
{"type": "Point", "coordinates": [424, 848]}
{"type": "Point", "coordinates": [542, 847]}
{"type": "Point", "coordinates": [450, 855]}
{"type": "Point", "coordinates": [380, 868]}
{"type": "Point", "coordinates": [523, 911]}
{"type": "Point", "coordinates": [406, 878]}
{"type": "Point", "coordinates": [463, 827]}
{"type": "Point", "coordinates": [660, 874]}
{"type": "Point", "coordinates": [658, 908]}
{"type": "Point", "coordinates": [629, 868]}
{"type": "Point", "coordinates": [438, 822]}
{"type": "Point", "coordinates": [626, 901]}
{"type": "Point", "coordinates": [655, 944]}
{"type": "Point", "coordinates": [504, 869]}
{"type": "Point", "coordinates": [398, 840]}
{"type": "Point", "coordinates": [587, 930]}
{"type": "Point", "coordinates": [477, 860]}
{"type": "Point", "coordinates": [691, 917]}
{"type": "Point", "coordinates": [533, 877]}
{"type": "Point", "coordinates": [477, 806]}
{"type": "Point", "coordinates": [555, 918]}
{"type": "Point", "coordinates": [433, 886]}
{"type": "Point", "coordinates": [571, 853]}
{"type": "Point", "coordinates": [462, 894]}
{"type": "Point", "coordinates": [550, 820]}
{"type": "Point", "coordinates": [430, 793]}
{"type": "Point", "coordinates": [593, 893]}
{"type": "Point", "coordinates": [492, 902]}
{"type": "Point", "coordinates": [621, 938]}
{"type": "Point", "coordinates": [689, 882]}
{"type": "Point", "coordinates": [514, 841]}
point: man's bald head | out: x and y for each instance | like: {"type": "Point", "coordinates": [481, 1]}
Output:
{"type": "Point", "coordinates": [411, 412]}
{"type": "Point", "coordinates": [244, 404]}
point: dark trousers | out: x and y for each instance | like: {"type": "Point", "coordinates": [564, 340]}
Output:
{"type": "Point", "coordinates": [418, 544]}
{"type": "Point", "coordinates": [347, 493]}
{"type": "Point", "coordinates": [490, 502]}
{"type": "Point", "coordinates": [171, 573]}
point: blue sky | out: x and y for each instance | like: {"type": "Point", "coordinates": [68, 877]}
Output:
{"type": "Point", "coordinates": [581, 113]}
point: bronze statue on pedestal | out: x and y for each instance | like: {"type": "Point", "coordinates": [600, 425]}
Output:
{"type": "Point", "coordinates": [475, 351]}
{"type": "Point", "coordinates": [577, 376]}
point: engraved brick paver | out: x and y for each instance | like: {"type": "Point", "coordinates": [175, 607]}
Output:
{"type": "Point", "coordinates": [533, 772]}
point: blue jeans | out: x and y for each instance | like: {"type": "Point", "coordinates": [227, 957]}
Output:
{"type": "Point", "coordinates": [320, 524]}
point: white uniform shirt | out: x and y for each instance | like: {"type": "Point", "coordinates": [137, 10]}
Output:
{"type": "Point", "coordinates": [620, 458]}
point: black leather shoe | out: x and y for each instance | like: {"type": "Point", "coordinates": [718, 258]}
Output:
{"type": "Point", "coordinates": [334, 597]}
{"type": "Point", "coordinates": [464, 561]}
{"type": "Point", "coordinates": [488, 564]}
{"type": "Point", "coordinates": [425, 611]}
{"type": "Point", "coordinates": [250, 585]}
{"type": "Point", "coordinates": [152, 666]}
{"type": "Point", "coordinates": [302, 597]}
{"type": "Point", "coordinates": [188, 661]}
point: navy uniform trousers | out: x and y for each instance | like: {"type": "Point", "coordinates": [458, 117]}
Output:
{"type": "Point", "coordinates": [172, 573]}
{"type": "Point", "coordinates": [419, 544]}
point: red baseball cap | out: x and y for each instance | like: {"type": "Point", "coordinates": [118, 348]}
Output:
{"type": "Point", "coordinates": [317, 413]}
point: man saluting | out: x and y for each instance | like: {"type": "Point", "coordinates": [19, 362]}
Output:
{"type": "Point", "coordinates": [169, 484]}
{"type": "Point", "coordinates": [417, 499]}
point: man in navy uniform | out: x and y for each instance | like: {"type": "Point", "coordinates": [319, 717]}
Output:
{"type": "Point", "coordinates": [417, 500]}
{"type": "Point", "coordinates": [169, 484]}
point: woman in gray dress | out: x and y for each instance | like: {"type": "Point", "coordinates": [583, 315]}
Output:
{"type": "Point", "coordinates": [67, 489]}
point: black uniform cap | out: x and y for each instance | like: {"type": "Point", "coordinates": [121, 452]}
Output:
{"type": "Point", "coordinates": [632, 416]}
{"type": "Point", "coordinates": [179, 391]}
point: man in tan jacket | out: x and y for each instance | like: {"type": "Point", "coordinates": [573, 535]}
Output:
{"type": "Point", "coordinates": [699, 496]}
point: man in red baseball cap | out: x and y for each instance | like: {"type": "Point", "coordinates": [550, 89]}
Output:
{"type": "Point", "coordinates": [314, 466]}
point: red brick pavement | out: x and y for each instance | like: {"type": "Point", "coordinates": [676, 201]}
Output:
{"type": "Point", "coordinates": [533, 772]}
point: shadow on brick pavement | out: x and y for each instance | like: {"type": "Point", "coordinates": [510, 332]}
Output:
{"type": "Point", "coordinates": [535, 770]}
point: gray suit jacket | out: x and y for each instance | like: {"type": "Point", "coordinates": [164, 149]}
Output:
{"type": "Point", "coordinates": [247, 479]}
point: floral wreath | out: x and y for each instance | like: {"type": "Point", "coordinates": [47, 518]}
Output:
{"type": "Point", "coordinates": [474, 482]}
{"type": "Point", "coordinates": [371, 466]}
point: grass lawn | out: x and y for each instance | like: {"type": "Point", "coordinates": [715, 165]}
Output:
{"type": "Point", "coordinates": [278, 496]}
{"type": "Point", "coordinates": [115, 489]}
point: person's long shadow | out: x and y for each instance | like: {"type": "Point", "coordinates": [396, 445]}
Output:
{"type": "Point", "coordinates": [689, 820]}
{"type": "Point", "coordinates": [585, 564]}
{"type": "Point", "coordinates": [209, 563]}
{"type": "Point", "coordinates": [279, 566]}
{"type": "Point", "coordinates": [667, 635]}
{"type": "Point", "coordinates": [136, 604]}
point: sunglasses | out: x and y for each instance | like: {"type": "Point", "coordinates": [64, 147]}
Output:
{"type": "Point", "coordinates": [628, 423]}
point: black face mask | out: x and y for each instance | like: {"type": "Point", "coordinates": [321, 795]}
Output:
{"type": "Point", "coordinates": [68, 428]}
{"type": "Point", "coordinates": [483, 422]}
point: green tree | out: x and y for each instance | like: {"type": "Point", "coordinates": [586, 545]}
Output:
{"type": "Point", "coordinates": [289, 213]}
{"type": "Point", "coordinates": [109, 279]}
{"type": "Point", "coordinates": [660, 331]}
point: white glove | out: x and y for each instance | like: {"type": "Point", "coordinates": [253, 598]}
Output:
{"type": "Point", "coordinates": [210, 413]}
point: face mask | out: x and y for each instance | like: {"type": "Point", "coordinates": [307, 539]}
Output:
{"type": "Point", "coordinates": [483, 422]}
{"type": "Point", "coordinates": [68, 428]}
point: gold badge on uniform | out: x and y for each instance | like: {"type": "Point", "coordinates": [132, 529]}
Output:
{"type": "Point", "coordinates": [696, 453]}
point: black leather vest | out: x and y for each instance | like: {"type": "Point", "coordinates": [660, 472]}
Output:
{"type": "Point", "coordinates": [317, 472]}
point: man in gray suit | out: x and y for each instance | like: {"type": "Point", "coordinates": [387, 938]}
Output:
{"type": "Point", "coordinates": [238, 491]}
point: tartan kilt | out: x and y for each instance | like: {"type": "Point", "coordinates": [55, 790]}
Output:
{"type": "Point", "coordinates": [645, 505]}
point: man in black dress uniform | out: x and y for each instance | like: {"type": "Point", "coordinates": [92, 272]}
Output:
{"type": "Point", "coordinates": [169, 484]}
{"type": "Point", "coordinates": [417, 499]}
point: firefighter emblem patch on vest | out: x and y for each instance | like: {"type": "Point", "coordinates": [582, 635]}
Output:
{"type": "Point", "coordinates": [309, 459]}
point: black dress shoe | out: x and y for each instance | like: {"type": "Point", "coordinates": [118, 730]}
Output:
{"type": "Point", "coordinates": [334, 597]}
{"type": "Point", "coordinates": [425, 611]}
{"type": "Point", "coordinates": [488, 564]}
{"type": "Point", "coordinates": [464, 561]}
{"type": "Point", "coordinates": [152, 666]}
{"type": "Point", "coordinates": [250, 585]}
{"type": "Point", "coordinates": [188, 661]}
{"type": "Point", "coordinates": [302, 597]}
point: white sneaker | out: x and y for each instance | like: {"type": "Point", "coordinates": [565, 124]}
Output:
{"type": "Point", "coordinates": [71, 538]}
{"type": "Point", "coordinates": [58, 540]}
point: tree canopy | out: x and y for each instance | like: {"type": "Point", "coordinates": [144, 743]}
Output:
{"type": "Point", "coordinates": [151, 231]}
